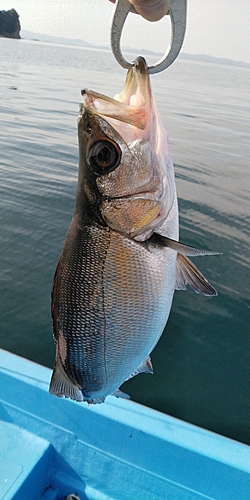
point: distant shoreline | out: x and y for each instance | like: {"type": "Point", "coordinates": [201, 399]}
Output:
{"type": "Point", "coordinates": [39, 37]}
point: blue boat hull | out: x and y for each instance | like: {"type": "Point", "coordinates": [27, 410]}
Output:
{"type": "Point", "coordinates": [52, 447]}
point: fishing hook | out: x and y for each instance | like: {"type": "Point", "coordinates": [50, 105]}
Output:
{"type": "Point", "coordinates": [178, 15]}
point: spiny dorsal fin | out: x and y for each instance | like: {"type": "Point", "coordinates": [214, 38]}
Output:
{"type": "Point", "coordinates": [187, 273]}
{"type": "Point", "coordinates": [61, 385]}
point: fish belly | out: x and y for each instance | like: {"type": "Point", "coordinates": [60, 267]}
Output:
{"type": "Point", "coordinates": [138, 290]}
{"type": "Point", "coordinates": [111, 300]}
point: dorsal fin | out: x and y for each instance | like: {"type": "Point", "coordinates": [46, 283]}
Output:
{"type": "Point", "coordinates": [61, 385]}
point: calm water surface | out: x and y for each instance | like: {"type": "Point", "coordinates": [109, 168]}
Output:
{"type": "Point", "coordinates": [201, 362]}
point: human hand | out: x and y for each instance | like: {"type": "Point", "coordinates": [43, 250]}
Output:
{"type": "Point", "coordinates": [152, 10]}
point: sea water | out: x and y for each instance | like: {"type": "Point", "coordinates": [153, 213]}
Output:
{"type": "Point", "coordinates": [201, 361]}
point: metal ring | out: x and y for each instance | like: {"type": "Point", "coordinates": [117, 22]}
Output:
{"type": "Point", "coordinates": [178, 15]}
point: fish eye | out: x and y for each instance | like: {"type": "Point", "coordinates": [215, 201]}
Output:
{"type": "Point", "coordinates": [103, 157]}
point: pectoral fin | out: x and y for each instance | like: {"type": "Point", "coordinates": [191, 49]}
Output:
{"type": "Point", "coordinates": [179, 247]}
{"type": "Point", "coordinates": [188, 274]}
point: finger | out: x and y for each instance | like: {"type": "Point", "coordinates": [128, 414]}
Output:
{"type": "Point", "coordinates": [152, 10]}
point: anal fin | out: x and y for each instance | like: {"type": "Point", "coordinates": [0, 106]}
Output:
{"type": "Point", "coordinates": [120, 394]}
{"type": "Point", "coordinates": [145, 367]}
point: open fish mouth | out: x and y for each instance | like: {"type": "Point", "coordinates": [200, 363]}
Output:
{"type": "Point", "coordinates": [139, 192]}
{"type": "Point", "coordinates": [121, 261]}
{"type": "Point", "coordinates": [132, 106]}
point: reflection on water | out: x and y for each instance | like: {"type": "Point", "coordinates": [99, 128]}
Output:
{"type": "Point", "coordinates": [201, 361]}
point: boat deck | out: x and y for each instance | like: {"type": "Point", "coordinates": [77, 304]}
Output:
{"type": "Point", "coordinates": [118, 450]}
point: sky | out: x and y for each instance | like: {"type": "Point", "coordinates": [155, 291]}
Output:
{"type": "Point", "coordinates": [219, 28]}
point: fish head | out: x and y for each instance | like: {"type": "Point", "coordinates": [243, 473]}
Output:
{"type": "Point", "coordinates": [127, 172]}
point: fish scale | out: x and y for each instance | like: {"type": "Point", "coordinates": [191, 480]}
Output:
{"type": "Point", "coordinates": [132, 303]}
{"type": "Point", "coordinates": [115, 280]}
{"type": "Point", "coordinates": [82, 263]}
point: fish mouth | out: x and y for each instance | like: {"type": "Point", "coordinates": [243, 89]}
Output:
{"type": "Point", "coordinates": [132, 106]}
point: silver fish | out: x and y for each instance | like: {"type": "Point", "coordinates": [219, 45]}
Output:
{"type": "Point", "coordinates": [121, 260]}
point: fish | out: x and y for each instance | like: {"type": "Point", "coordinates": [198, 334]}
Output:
{"type": "Point", "coordinates": [122, 260]}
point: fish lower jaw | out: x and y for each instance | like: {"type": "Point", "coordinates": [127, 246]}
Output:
{"type": "Point", "coordinates": [136, 195]}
